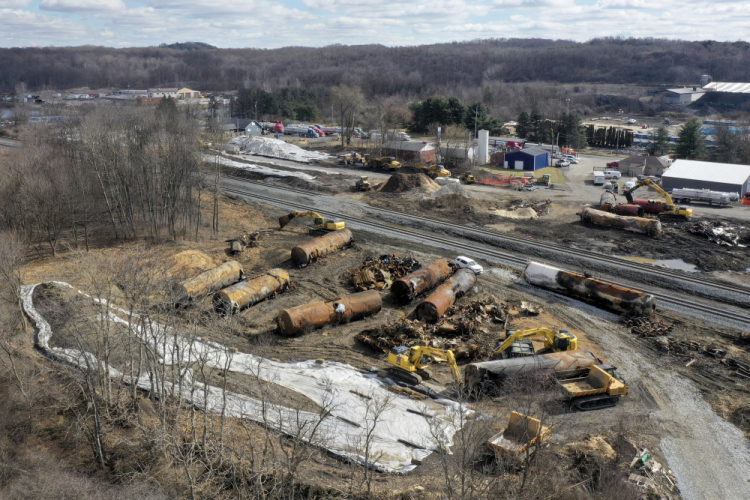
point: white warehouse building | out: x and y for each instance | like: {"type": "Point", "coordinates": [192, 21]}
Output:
{"type": "Point", "coordinates": [692, 174]}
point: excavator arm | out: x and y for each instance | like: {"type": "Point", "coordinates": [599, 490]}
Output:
{"type": "Point", "coordinates": [671, 208]}
{"type": "Point", "coordinates": [283, 221]}
{"type": "Point", "coordinates": [545, 333]}
{"type": "Point", "coordinates": [445, 355]}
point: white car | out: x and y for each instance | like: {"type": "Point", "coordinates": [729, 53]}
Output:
{"type": "Point", "coordinates": [629, 184]}
{"type": "Point", "coordinates": [467, 263]}
{"type": "Point", "coordinates": [570, 158]}
{"type": "Point", "coordinates": [632, 121]}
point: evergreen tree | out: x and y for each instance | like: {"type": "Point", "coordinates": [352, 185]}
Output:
{"type": "Point", "coordinates": [659, 141]}
{"type": "Point", "coordinates": [524, 125]}
{"type": "Point", "coordinates": [690, 140]}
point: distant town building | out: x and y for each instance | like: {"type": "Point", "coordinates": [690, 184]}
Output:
{"type": "Point", "coordinates": [633, 166]}
{"type": "Point", "coordinates": [148, 101]}
{"type": "Point", "coordinates": [681, 95]}
{"type": "Point", "coordinates": [533, 158]}
{"type": "Point", "coordinates": [418, 152]}
{"type": "Point", "coordinates": [188, 94]}
{"type": "Point", "coordinates": [163, 92]}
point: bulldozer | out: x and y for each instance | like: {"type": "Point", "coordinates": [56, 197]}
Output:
{"type": "Point", "coordinates": [408, 363]}
{"type": "Point", "coordinates": [468, 178]}
{"type": "Point", "coordinates": [517, 343]}
{"type": "Point", "coordinates": [385, 162]}
{"type": "Point", "coordinates": [363, 184]}
{"type": "Point", "coordinates": [319, 222]}
{"type": "Point", "coordinates": [545, 180]}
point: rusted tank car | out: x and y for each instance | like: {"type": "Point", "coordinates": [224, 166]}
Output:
{"type": "Point", "coordinates": [602, 293]}
{"type": "Point", "coordinates": [434, 306]}
{"type": "Point", "coordinates": [312, 250]}
{"type": "Point", "coordinates": [249, 292]}
{"type": "Point", "coordinates": [651, 227]}
{"type": "Point", "coordinates": [342, 310]}
{"type": "Point", "coordinates": [631, 210]}
{"type": "Point", "coordinates": [210, 281]}
{"type": "Point", "coordinates": [651, 206]}
{"type": "Point", "coordinates": [564, 364]}
{"type": "Point", "coordinates": [421, 280]}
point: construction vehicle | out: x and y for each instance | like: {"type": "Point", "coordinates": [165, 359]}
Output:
{"type": "Point", "coordinates": [522, 432]}
{"type": "Point", "coordinates": [670, 209]}
{"type": "Point", "coordinates": [599, 389]}
{"type": "Point", "coordinates": [517, 343]}
{"type": "Point", "coordinates": [545, 180]}
{"type": "Point", "coordinates": [386, 161]}
{"type": "Point", "coordinates": [351, 158]}
{"type": "Point", "coordinates": [433, 171]}
{"type": "Point", "coordinates": [319, 222]}
{"type": "Point", "coordinates": [468, 178]}
{"type": "Point", "coordinates": [409, 363]}
{"type": "Point", "coordinates": [363, 184]}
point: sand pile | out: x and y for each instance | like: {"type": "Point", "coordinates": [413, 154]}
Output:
{"type": "Point", "coordinates": [398, 183]}
{"type": "Point", "coordinates": [190, 263]}
{"type": "Point", "coordinates": [454, 188]}
{"type": "Point", "coordinates": [275, 148]}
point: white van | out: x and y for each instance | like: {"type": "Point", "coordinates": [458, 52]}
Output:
{"type": "Point", "coordinates": [598, 179]}
{"type": "Point", "coordinates": [612, 174]}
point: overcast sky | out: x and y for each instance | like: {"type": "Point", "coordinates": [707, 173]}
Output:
{"type": "Point", "coordinates": [278, 23]}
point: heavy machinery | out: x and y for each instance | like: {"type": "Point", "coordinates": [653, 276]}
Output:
{"type": "Point", "coordinates": [409, 363]}
{"type": "Point", "coordinates": [545, 180]}
{"type": "Point", "coordinates": [433, 171]}
{"type": "Point", "coordinates": [517, 343]}
{"type": "Point", "coordinates": [669, 208]}
{"type": "Point", "coordinates": [522, 432]}
{"type": "Point", "coordinates": [468, 178]}
{"type": "Point", "coordinates": [363, 184]}
{"type": "Point", "coordinates": [599, 389]}
{"type": "Point", "coordinates": [319, 222]}
{"type": "Point", "coordinates": [385, 162]}
{"type": "Point", "coordinates": [351, 158]}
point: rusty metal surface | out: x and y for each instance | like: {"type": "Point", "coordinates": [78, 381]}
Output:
{"type": "Point", "coordinates": [651, 206]}
{"type": "Point", "coordinates": [341, 310]}
{"type": "Point", "coordinates": [420, 281]}
{"type": "Point", "coordinates": [434, 306]}
{"type": "Point", "coordinates": [558, 364]}
{"type": "Point", "coordinates": [249, 292]}
{"type": "Point", "coordinates": [632, 210]}
{"type": "Point", "coordinates": [211, 281]}
{"type": "Point", "coordinates": [312, 250]}
{"type": "Point", "coordinates": [603, 293]}
{"type": "Point", "coordinates": [650, 227]}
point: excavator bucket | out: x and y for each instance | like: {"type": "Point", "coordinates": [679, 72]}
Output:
{"type": "Point", "coordinates": [283, 221]}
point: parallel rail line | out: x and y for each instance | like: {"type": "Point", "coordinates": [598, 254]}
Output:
{"type": "Point", "coordinates": [410, 234]}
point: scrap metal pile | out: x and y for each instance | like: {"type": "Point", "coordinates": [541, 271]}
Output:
{"type": "Point", "coordinates": [646, 327]}
{"type": "Point", "coordinates": [379, 273]}
{"type": "Point", "coordinates": [454, 331]}
{"type": "Point", "coordinates": [719, 232]}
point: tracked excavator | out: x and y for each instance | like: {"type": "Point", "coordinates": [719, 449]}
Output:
{"type": "Point", "coordinates": [670, 209]}
{"type": "Point", "coordinates": [408, 363]}
{"type": "Point", "coordinates": [319, 222]}
{"type": "Point", "coordinates": [517, 343]}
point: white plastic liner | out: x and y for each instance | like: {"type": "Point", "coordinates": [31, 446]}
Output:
{"type": "Point", "coordinates": [258, 168]}
{"type": "Point", "coordinates": [402, 434]}
{"type": "Point", "coordinates": [275, 148]}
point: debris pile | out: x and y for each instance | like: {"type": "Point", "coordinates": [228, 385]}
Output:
{"type": "Point", "coordinates": [646, 327]}
{"type": "Point", "coordinates": [454, 188]}
{"type": "Point", "coordinates": [651, 477]}
{"type": "Point", "coordinates": [718, 232]}
{"type": "Point", "coordinates": [689, 348]}
{"type": "Point", "coordinates": [454, 331]}
{"type": "Point", "coordinates": [540, 207]}
{"type": "Point", "coordinates": [379, 273]}
{"type": "Point", "coordinates": [398, 183]}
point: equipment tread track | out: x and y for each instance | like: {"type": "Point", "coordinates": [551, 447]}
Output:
{"type": "Point", "coordinates": [410, 233]}
{"type": "Point", "coordinates": [654, 270]}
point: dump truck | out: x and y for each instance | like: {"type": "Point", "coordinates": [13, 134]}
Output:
{"type": "Point", "coordinates": [433, 171]}
{"type": "Point", "coordinates": [468, 178]}
{"type": "Point", "coordinates": [522, 432]}
{"type": "Point", "coordinates": [385, 162]}
{"type": "Point", "coordinates": [599, 389]}
{"type": "Point", "coordinates": [363, 184]}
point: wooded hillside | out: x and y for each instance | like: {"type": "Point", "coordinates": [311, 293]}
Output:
{"type": "Point", "coordinates": [416, 71]}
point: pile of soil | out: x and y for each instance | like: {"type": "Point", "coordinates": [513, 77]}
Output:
{"type": "Point", "coordinates": [398, 183]}
{"type": "Point", "coordinates": [454, 189]}
{"type": "Point", "coordinates": [190, 263]}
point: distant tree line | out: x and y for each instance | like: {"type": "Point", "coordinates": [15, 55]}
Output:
{"type": "Point", "coordinates": [297, 104]}
{"type": "Point", "coordinates": [450, 111]}
{"type": "Point", "coordinates": [565, 131]}
{"type": "Point", "coordinates": [610, 137]}
{"type": "Point", "coordinates": [413, 72]}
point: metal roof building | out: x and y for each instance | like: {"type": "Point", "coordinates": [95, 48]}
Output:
{"type": "Point", "coordinates": [731, 87]}
{"type": "Point", "coordinates": [692, 174]}
{"type": "Point", "coordinates": [533, 158]}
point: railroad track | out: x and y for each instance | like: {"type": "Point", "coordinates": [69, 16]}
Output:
{"type": "Point", "coordinates": [473, 248]}
{"type": "Point", "coordinates": [625, 263]}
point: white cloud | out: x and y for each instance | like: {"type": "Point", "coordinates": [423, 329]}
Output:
{"type": "Point", "coordinates": [81, 5]}
{"type": "Point", "coordinates": [12, 4]}
{"type": "Point", "coordinates": [17, 26]}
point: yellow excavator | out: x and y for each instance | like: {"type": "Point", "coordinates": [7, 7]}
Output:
{"type": "Point", "coordinates": [670, 210]}
{"type": "Point", "coordinates": [409, 363]}
{"type": "Point", "coordinates": [514, 346]}
{"type": "Point", "coordinates": [319, 222]}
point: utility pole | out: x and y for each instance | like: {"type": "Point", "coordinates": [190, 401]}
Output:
{"type": "Point", "coordinates": [567, 103]}
{"type": "Point", "coordinates": [255, 103]}
{"type": "Point", "coordinates": [476, 114]}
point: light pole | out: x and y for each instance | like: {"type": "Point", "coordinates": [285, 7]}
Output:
{"type": "Point", "coordinates": [567, 103]}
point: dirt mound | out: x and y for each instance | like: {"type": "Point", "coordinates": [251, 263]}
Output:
{"type": "Point", "coordinates": [594, 446]}
{"type": "Point", "coordinates": [190, 263]}
{"type": "Point", "coordinates": [454, 188]}
{"type": "Point", "coordinates": [398, 183]}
